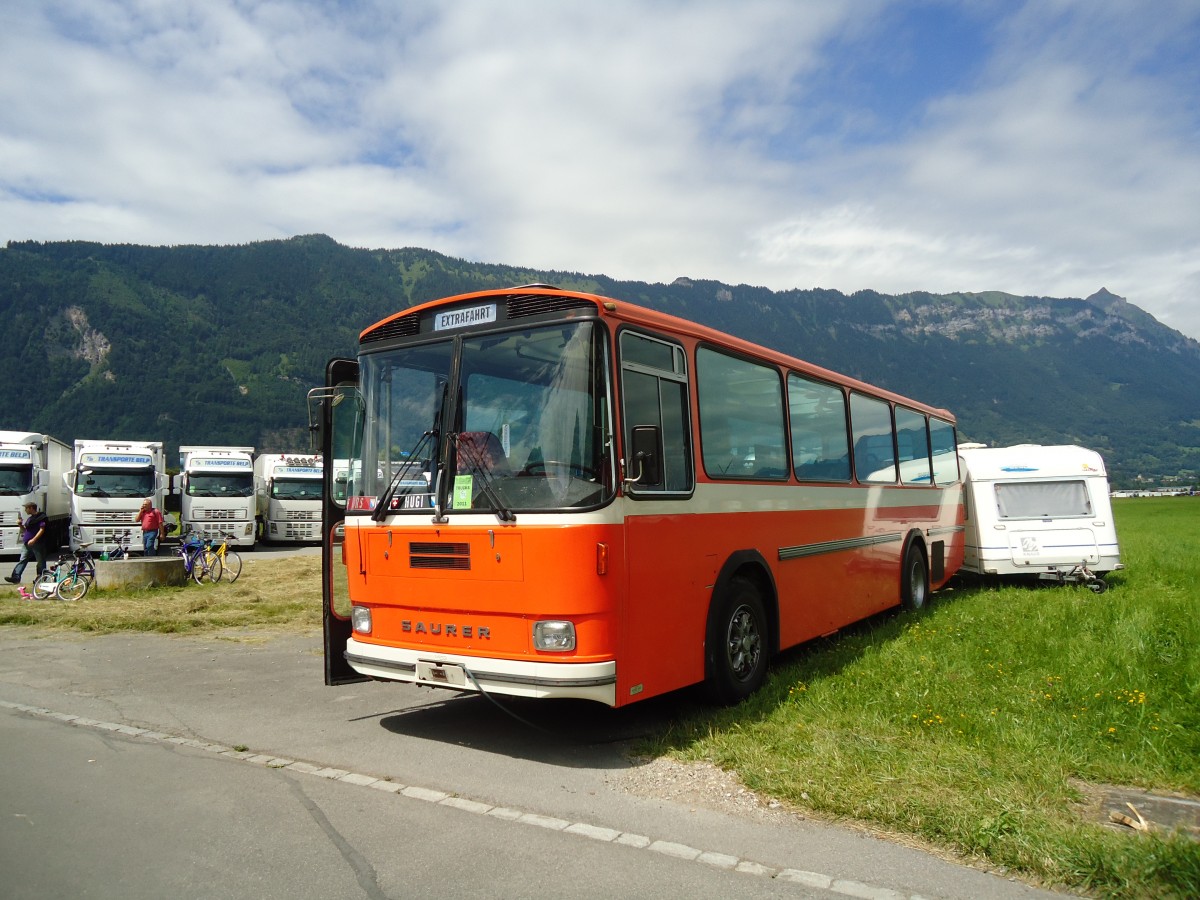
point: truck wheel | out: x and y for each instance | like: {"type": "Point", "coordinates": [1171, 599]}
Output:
{"type": "Point", "coordinates": [736, 648]}
{"type": "Point", "coordinates": [914, 579]}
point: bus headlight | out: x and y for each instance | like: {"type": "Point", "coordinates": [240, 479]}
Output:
{"type": "Point", "coordinates": [360, 616]}
{"type": "Point", "coordinates": [554, 636]}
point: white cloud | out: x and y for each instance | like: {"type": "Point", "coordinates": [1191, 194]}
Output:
{"type": "Point", "coordinates": [637, 139]}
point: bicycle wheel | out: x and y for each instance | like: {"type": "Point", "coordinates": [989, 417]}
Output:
{"type": "Point", "coordinates": [206, 566]}
{"type": "Point", "coordinates": [73, 587]}
{"type": "Point", "coordinates": [231, 566]}
{"type": "Point", "coordinates": [45, 585]}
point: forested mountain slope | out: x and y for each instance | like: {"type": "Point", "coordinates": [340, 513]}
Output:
{"type": "Point", "coordinates": [197, 344]}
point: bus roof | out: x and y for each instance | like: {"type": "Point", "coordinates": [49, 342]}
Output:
{"type": "Point", "coordinates": [641, 315]}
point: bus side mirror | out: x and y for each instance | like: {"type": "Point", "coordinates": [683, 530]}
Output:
{"type": "Point", "coordinates": [646, 456]}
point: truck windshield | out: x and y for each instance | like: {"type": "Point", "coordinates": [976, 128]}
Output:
{"type": "Point", "coordinates": [115, 482]}
{"type": "Point", "coordinates": [296, 489]}
{"type": "Point", "coordinates": [202, 485]}
{"type": "Point", "coordinates": [525, 427]}
{"type": "Point", "coordinates": [16, 480]}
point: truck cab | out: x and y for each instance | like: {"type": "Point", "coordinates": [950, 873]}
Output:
{"type": "Point", "coordinates": [289, 488]}
{"type": "Point", "coordinates": [217, 493]}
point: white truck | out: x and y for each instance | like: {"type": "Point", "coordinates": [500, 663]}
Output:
{"type": "Point", "coordinates": [217, 497]}
{"type": "Point", "coordinates": [289, 489]}
{"type": "Point", "coordinates": [1041, 511]}
{"type": "Point", "coordinates": [108, 483]}
{"type": "Point", "coordinates": [31, 469]}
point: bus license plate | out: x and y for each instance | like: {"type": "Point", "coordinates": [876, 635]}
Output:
{"type": "Point", "coordinates": [437, 673]}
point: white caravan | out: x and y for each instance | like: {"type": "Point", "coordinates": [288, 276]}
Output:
{"type": "Point", "coordinates": [108, 483]}
{"type": "Point", "coordinates": [289, 488]}
{"type": "Point", "coordinates": [1038, 511]}
{"type": "Point", "coordinates": [217, 493]}
{"type": "Point", "coordinates": [31, 470]}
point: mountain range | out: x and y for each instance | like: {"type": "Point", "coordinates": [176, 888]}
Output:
{"type": "Point", "coordinates": [220, 344]}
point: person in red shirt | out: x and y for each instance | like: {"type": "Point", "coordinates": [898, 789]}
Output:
{"type": "Point", "coordinates": [151, 521]}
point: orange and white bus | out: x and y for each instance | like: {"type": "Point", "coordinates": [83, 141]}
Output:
{"type": "Point", "coordinates": [548, 493]}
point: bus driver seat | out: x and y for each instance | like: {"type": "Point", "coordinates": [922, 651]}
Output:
{"type": "Point", "coordinates": [481, 450]}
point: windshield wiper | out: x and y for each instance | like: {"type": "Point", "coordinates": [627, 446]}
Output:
{"type": "Point", "coordinates": [487, 482]}
{"type": "Point", "coordinates": [404, 471]}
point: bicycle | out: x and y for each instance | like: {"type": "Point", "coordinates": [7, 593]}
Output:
{"type": "Point", "coordinates": [120, 551]}
{"type": "Point", "coordinates": [68, 579]}
{"type": "Point", "coordinates": [199, 560]}
{"type": "Point", "coordinates": [231, 560]}
{"type": "Point", "coordinates": [80, 576]}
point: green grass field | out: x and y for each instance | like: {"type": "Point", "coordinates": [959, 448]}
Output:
{"type": "Point", "coordinates": [980, 725]}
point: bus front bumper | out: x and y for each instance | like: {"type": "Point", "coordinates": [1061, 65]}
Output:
{"type": "Point", "coordinates": [515, 678]}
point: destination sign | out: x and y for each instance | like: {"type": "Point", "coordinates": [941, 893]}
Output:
{"type": "Point", "coordinates": [224, 463]}
{"type": "Point", "coordinates": [15, 454]}
{"type": "Point", "coordinates": [299, 470]}
{"type": "Point", "coordinates": [460, 318]}
{"type": "Point", "coordinates": [116, 459]}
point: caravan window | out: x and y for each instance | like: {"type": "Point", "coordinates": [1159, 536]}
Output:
{"type": "Point", "coordinates": [1043, 499]}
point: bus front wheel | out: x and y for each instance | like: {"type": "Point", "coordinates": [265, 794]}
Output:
{"type": "Point", "coordinates": [914, 579]}
{"type": "Point", "coordinates": [737, 644]}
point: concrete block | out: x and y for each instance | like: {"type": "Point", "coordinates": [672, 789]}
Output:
{"type": "Point", "coordinates": [140, 571]}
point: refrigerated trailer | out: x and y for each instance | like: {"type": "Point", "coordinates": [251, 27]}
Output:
{"type": "Point", "coordinates": [1038, 511]}
{"type": "Point", "coordinates": [31, 471]}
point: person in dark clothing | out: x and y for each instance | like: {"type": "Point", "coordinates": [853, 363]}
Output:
{"type": "Point", "coordinates": [33, 536]}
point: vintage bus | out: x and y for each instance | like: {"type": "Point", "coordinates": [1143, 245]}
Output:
{"type": "Point", "coordinates": [551, 494]}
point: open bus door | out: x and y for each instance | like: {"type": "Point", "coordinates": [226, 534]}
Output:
{"type": "Point", "coordinates": [336, 416]}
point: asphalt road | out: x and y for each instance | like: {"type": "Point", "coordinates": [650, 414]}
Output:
{"type": "Point", "coordinates": [152, 766]}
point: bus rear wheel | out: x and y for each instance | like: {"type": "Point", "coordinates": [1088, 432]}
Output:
{"type": "Point", "coordinates": [914, 579]}
{"type": "Point", "coordinates": [737, 644]}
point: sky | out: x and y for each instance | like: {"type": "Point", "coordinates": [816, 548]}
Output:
{"type": "Point", "coordinates": [1047, 148]}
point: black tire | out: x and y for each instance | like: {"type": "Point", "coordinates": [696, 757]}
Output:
{"type": "Point", "coordinates": [206, 566]}
{"type": "Point", "coordinates": [914, 579]}
{"type": "Point", "coordinates": [231, 566]}
{"type": "Point", "coordinates": [73, 587]}
{"type": "Point", "coordinates": [737, 644]}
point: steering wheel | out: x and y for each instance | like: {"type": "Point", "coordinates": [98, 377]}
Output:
{"type": "Point", "coordinates": [543, 467]}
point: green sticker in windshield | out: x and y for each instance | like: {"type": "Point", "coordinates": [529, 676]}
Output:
{"type": "Point", "coordinates": [464, 490]}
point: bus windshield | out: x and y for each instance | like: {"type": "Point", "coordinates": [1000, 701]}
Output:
{"type": "Point", "coordinates": [115, 482]}
{"type": "Point", "coordinates": [201, 485]}
{"type": "Point", "coordinates": [524, 427]}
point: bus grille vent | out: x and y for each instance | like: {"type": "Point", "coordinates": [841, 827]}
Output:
{"type": "Point", "coordinates": [439, 556]}
{"type": "Point", "coordinates": [402, 326]}
{"type": "Point", "coordinates": [534, 304]}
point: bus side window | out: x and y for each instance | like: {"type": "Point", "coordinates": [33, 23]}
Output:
{"type": "Point", "coordinates": [654, 392]}
{"type": "Point", "coordinates": [945, 452]}
{"type": "Point", "coordinates": [820, 447]}
{"type": "Point", "coordinates": [874, 450]}
{"type": "Point", "coordinates": [742, 430]}
{"type": "Point", "coordinates": [912, 439]}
